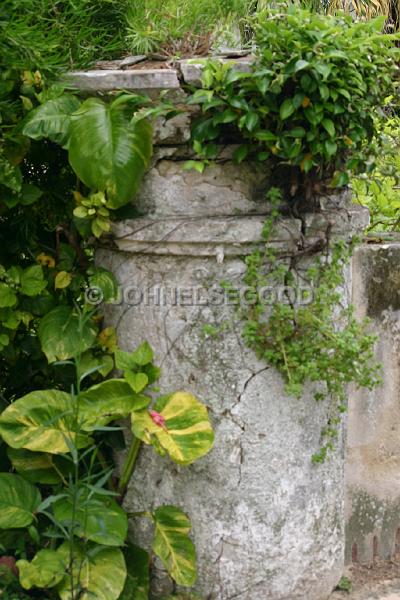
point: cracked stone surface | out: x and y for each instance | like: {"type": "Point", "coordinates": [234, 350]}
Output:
{"type": "Point", "coordinates": [266, 522]}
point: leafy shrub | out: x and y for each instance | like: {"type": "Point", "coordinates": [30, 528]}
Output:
{"type": "Point", "coordinates": [309, 100]}
{"type": "Point", "coordinates": [380, 190]}
{"type": "Point", "coordinates": [58, 484]}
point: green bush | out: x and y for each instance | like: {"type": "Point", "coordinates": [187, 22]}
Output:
{"type": "Point", "coordinates": [380, 191]}
{"type": "Point", "coordinates": [310, 98]}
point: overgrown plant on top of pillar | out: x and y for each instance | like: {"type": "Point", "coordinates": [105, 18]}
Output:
{"type": "Point", "coordinates": [309, 107]}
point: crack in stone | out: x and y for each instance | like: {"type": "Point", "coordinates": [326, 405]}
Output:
{"type": "Point", "coordinates": [242, 426]}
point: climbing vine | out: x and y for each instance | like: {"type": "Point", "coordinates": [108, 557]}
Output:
{"type": "Point", "coordinates": [319, 341]}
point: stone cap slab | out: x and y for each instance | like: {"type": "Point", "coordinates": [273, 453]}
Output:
{"type": "Point", "coordinates": [142, 81]}
{"type": "Point", "coordinates": [151, 81]}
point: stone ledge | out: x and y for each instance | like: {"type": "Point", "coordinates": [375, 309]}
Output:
{"type": "Point", "coordinates": [152, 81]}
{"type": "Point", "coordinates": [206, 236]}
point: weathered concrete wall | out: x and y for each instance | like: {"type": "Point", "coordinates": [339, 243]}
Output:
{"type": "Point", "coordinates": [373, 445]}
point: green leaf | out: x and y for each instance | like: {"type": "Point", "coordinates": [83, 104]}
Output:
{"type": "Point", "coordinates": [104, 363]}
{"type": "Point", "coordinates": [330, 147]}
{"type": "Point", "coordinates": [240, 153]}
{"type": "Point", "coordinates": [62, 280]}
{"type": "Point", "coordinates": [296, 132]}
{"type": "Point", "coordinates": [108, 150]}
{"type": "Point", "coordinates": [29, 194]}
{"type": "Point", "coordinates": [106, 282]}
{"type": "Point", "coordinates": [173, 546]}
{"type": "Point", "coordinates": [287, 109]}
{"type": "Point", "coordinates": [323, 69]}
{"type": "Point", "coordinates": [32, 281]}
{"type": "Point", "coordinates": [137, 381]}
{"type": "Point", "coordinates": [187, 434]}
{"type": "Point", "coordinates": [37, 467]}
{"type": "Point", "coordinates": [197, 165]}
{"type": "Point", "coordinates": [46, 570]}
{"type": "Point", "coordinates": [143, 355]}
{"type": "Point", "coordinates": [124, 360]}
{"type": "Point", "coordinates": [265, 136]}
{"type": "Point", "coordinates": [251, 121]}
{"type": "Point", "coordinates": [301, 64]}
{"type": "Point", "coordinates": [81, 212]}
{"type": "Point", "coordinates": [51, 119]}
{"type": "Point", "coordinates": [18, 501]}
{"type": "Point", "coordinates": [329, 126]}
{"type": "Point", "coordinates": [137, 584]}
{"type": "Point", "coordinates": [7, 296]}
{"type": "Point", "coordinates": [108, 401]}
{"type": "Point", "coordinates": [100, 572]}
{"type": "Point", "coordinates": [96, 518]}
{"type": "Point", "coordinates": [340, 178]}
{"type": "Point", "coordinates": [42, 421]}
{"type": "Point", "coordinates": [63, 336]}
{"type": "Point", "coordinates": [228, 116]}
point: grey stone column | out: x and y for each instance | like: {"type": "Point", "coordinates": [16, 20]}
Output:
{"type": "Point", "coordinates": [267, 523]}
{"type": "Point", "coordinates": [373, 442]}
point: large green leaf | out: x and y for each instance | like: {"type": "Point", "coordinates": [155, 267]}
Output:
{"type": "Point", "coordinates": [105, 281]}
{"type": "Point", "coordinates": [100, 572]}
{"type": "Point", "coordinates": [96, 518]}
{"type": "Point", "coordinates": [137, 584]}
{"type": "Point", "coordinates": [63, 335]}
{"type": "Point", "coordinates": [33, 281]}
{"type": "Point", "coordinates": [51, 119]}
{"type": "Point", "coordinates": [180, 424]}
{"type": "Point", "coordinates": [18, 501]}
{"type": "Point", "coordinates": [38, 467]}
{"type": "Point", "coordinates": [107, 150]}
{"type": "Point", "coordinates": [46, 570]}
{"type": "Point", "coordinates": [107, 401]}
{"type": "Point", "coordinates": [173, 546]}
{"type": "Point", "coordinates": [7, 296]}
{"type": "Point", "coordinates": [42, 421]}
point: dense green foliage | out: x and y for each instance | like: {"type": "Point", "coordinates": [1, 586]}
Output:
{"type": "Point", "coordinates": [66, 166]}
{"type": "Point", "coordinates": [309, 100]}
{"type": "Point", "coordinates": [380, 190]}
{"type": "Point", "coordinates": [60, 507]}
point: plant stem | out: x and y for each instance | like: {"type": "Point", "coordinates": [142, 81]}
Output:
{"type": "Point", "coordinates": [129, 465]}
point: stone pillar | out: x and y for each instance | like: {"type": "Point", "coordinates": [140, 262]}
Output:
{"type": "Point", "coordinates": [373, 445]}
{"type": "Point", "coordinates": [267, 523]}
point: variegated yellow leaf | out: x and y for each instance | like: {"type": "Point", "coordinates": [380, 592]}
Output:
{"type": "Point", "coordinates": [172, 544]}
{"type": "Point", "coordinates": [99, 572]}
{"type": "Point", "coordinates": [42, 421]}
{"type": "Point", "coordinates": [180, 424]}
